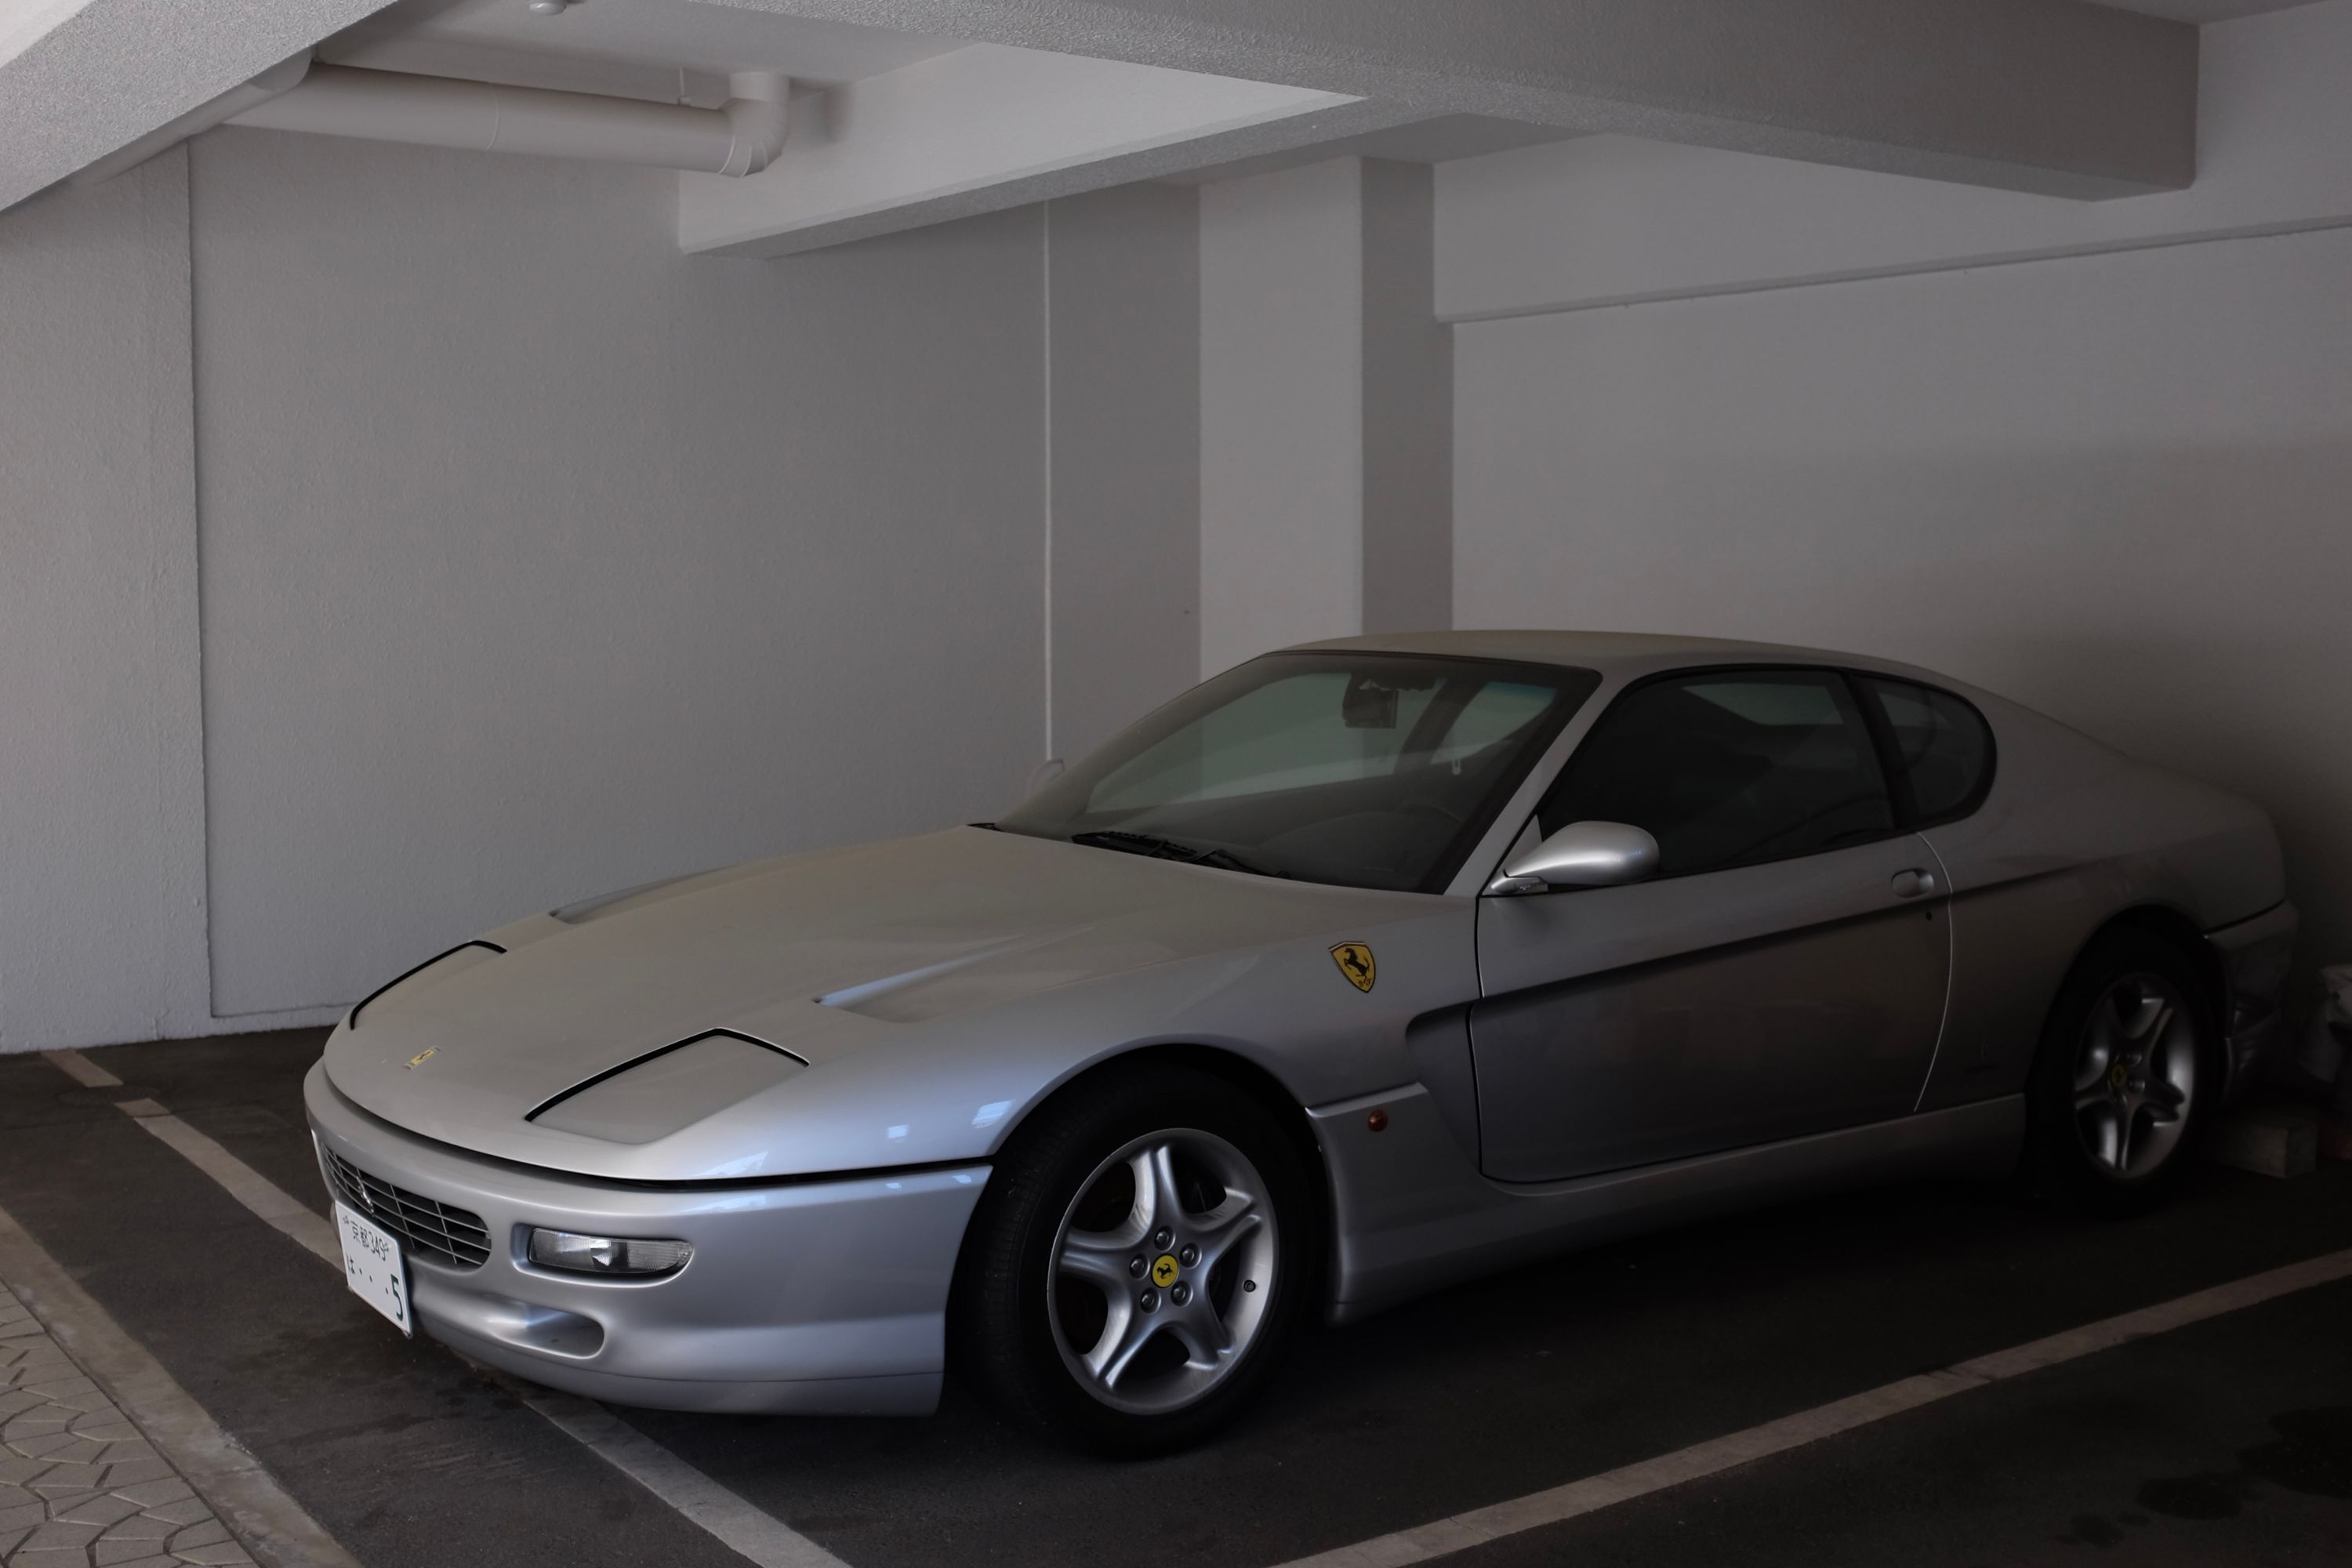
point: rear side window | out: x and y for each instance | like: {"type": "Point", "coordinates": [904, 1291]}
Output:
{"type": "Point", "coordinates": [1730, 768]}
{"type": "Point", "coordinates": [1940, 747]}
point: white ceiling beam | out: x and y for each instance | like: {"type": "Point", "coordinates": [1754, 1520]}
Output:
{"type": "Point", "coordinates": [2057, 97]}
{"type": "Point", "coordinates": [114, 71]}
{"type": "Point", "coordinates": [987, 128]}
{"type": "Point", "coordinates": [1603, 221]}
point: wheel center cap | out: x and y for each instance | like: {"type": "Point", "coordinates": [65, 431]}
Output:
{"type": "Point", "coordinates": [2118, 1075]}
{"type": "Point", "coordinates": [1164, 1270]}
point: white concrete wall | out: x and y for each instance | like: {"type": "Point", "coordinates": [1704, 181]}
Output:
{"type": "Point", "coordinates": [2117, 486]}
{"type": "Point", "coordinates": [101, 760]}
{"type": "Point", "coordinates": [535, 558]}
{"type": "Point", "coordinates": [525, 534]}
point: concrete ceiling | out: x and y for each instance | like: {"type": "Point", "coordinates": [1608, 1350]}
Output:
{"type": "Point", "coordinates": [720, 37]}
{"type": "Point", "coordinates": [636, 47]}
{"type": "Point", "coordinates": [639, 48]}
{"type": "Point", "coordinates": [2049, 96]}
{"type": "Point", "coordinates": [1438, 140]}
{"type": "Point", "coordinates": [492, 37]}
{"type": "Point", "coordinates": [924, 109]}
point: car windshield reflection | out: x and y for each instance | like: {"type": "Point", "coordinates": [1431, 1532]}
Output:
{"type": "Point", "coordinates": [1364, 770]}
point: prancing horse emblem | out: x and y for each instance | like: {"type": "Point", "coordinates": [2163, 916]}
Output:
{"type": "Point", "coordinates": [1355, 961]}
{"type": "Point", "coordinates": [421, 1058]}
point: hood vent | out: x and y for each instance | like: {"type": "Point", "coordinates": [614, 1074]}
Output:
{"type": "Point", "coordinates": [492, 948]}
{"type": "Point", "coordinates": [654, 1095]}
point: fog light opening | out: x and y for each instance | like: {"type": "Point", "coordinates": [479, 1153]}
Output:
{"type": "Point", "coordinates": [608, 1255]}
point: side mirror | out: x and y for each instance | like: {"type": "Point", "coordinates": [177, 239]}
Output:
{"type": "Point", "coordinates": [1581, 855]}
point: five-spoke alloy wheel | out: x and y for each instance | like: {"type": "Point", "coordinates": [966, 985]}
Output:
{"type": "Point", "coordinates": [2124, 1070]}
{"type": "Point", "coordinates": [2135, 1075]}
{"type": "Point", "coordinates": [1137, 1259]}
{"type": "Point", "coordinates": [1162, 1272]}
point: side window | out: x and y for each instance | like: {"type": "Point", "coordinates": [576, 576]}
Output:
{"type": "Point", "coordinates": [1942, 747]}
{"type": "Point", "coordinates": [1729, 768]}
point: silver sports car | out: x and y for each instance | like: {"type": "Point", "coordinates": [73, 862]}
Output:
{"type": "Point", "coordinates": [1363, 968]}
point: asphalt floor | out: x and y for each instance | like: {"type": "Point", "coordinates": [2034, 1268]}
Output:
{"type": "Point", "coordinates": [2226, 1442]}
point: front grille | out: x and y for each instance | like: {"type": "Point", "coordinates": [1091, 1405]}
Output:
{"type": "Point", "coordinates": [439, 1231]}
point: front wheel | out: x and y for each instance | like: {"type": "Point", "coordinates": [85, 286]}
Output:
{"type": "Point", "coordinates": [2122, 1075]}
{"type": "Point", "coordinates": [1137, 1261]}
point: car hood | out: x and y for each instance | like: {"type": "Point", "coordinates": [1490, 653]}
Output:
{"type": "Point", "coordinates": [822, 956]}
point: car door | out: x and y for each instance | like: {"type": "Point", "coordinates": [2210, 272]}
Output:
{"type": "Point", "coordinates": [1783, 972]}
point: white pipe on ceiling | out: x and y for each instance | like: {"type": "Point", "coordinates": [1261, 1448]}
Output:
{"type": "Point", "coordinates": [742, 137]}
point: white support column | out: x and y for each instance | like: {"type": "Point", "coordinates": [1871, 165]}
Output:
{"type": "Point", "coordinates": [1326, 425]}
{"type": "Point", "coordinates": [1408, 407]}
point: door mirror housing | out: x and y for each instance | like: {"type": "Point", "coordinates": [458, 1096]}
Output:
{"type": "Point", "coordinates": [1581, 855]}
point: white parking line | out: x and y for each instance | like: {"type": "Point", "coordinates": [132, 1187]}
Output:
{"type": "Point", "coordinates": [1591, 1495]}
{"type": "Point", "coordinates": [745, 1529]}
{"type": "Point", "coordinates": [248, 1187]}
{"type": "Point", "coordinates": [750, 1532]}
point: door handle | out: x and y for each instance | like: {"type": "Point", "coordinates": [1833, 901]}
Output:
{"type": "Point", "coordinates": [1913, 884]}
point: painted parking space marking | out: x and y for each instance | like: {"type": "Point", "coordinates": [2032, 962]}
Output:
{"type": "Point", "coordinates": [752, 1534]}
{"type": "Point", "coordinates": [264, 1198]}
{"type": "Point", "coordinates": [1556, 1505]}
{"type": "Point", "coordinates": [759, 1538]}
{"type": "Point", "coordinates": [738, 1525]}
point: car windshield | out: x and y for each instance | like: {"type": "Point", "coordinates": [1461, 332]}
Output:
{"type": "Point", "coordinates": [1367, 770]}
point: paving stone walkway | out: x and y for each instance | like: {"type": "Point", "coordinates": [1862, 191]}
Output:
{"type": "Point", "coordinates": [80, 1485]}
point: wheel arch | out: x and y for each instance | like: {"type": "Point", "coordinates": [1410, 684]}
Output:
{"type": "Point", "coordinates": [2178, 930]}
{"type": "Point", "coordinates": [1248, 1077]}
{"type": "Point", "coordinates": [2052, 1150]}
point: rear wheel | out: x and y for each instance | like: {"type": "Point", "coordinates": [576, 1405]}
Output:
{"type": "Point", "coordinates": [2122, 1075]}
{"type": "Point", "coordinates": [1137, 1261]}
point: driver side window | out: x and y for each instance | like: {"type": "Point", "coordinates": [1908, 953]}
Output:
{"type": "Point", "coordinates": [1729, 768]}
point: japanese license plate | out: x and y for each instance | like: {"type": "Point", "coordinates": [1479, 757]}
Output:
{"type": "Point", "coordinates": [373, 1266]}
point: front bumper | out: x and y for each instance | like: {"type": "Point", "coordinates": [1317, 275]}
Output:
{"type": "Point", "coordinates": [824, 1296]}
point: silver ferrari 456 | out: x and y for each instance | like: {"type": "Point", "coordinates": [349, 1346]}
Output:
{"type": "Point", "coordinates": [1363, 968]}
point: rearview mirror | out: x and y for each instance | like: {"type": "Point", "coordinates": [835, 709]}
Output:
{"type": "Point", "coordinates": [1581, 855]}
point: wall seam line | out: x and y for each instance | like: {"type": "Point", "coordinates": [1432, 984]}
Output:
{"type": "Point", "coordinates": [196, 556]}
{"type": "Point", "coordinates": [1918, 270]}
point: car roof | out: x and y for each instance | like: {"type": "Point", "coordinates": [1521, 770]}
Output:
{"type": "Point", "coordinates": [1624, 654]}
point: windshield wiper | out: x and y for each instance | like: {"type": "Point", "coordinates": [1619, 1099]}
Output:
{"type": "Point", "coordinates": [1159, 848]}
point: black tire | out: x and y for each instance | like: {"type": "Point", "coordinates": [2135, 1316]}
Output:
{"type": "Point", "coordinates": [1003, 1313]}
{"type": "Point", "coordinates": [2071, 1149]}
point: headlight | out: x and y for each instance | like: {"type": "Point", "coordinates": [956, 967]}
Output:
{"type": "Point", "coordinates": [606, 1254]}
